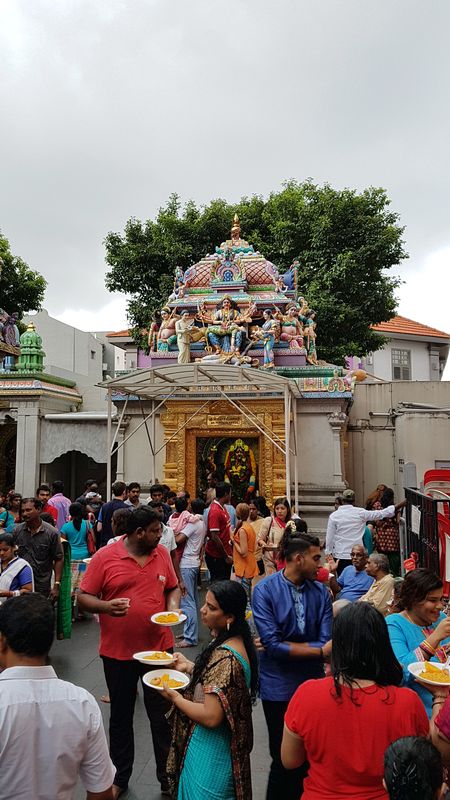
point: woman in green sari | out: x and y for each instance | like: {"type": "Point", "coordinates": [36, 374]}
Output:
{"type": "Point", "coordinates": [212, 733]}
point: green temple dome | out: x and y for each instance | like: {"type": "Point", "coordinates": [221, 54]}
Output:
{"type": "Point", "coordinates": [31, 357]}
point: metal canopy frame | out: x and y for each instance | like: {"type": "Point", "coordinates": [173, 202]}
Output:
{"type": "Point", "coordinates": [204, 382]}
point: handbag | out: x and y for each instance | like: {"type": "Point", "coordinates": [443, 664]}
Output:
{"type": "Point", "coordinates": [90, 540]}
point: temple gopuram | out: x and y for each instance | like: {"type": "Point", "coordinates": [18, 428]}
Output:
{"type": "Point", "coordinates": [234, 307]}
{"type": "Point", "coordinates": [231, 388]}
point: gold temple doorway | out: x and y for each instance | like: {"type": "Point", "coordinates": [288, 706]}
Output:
{"type": "Point", "coordinates": [199, 401]}
{"type": "Point", "coordinates": [183, 428]}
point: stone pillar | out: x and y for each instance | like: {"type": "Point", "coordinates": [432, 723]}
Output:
{"type": "Point", "coordinates": [337, 420]}
{"type": "Point", "coordinates": [120, 472]}
{"type": "Point", "coordinates": [28, 447]}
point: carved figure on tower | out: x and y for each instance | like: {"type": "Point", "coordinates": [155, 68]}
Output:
{"type": "Point", "coordinates": [268, 333]}
{"type": "Point", "coordinates": [166, 334]}
{"type": "Point", "coordinates": [225, 332]}
{"type": "Point", "coordinates": [291, 327]}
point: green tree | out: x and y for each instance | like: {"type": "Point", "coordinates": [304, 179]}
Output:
{"type": "Point", "coordinates": [21, 288]}
{"type": "Point", "coordinates": [345, 241]}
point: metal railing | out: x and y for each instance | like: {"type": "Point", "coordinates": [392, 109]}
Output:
{"type": "Point", "coordinates": [421, 532]}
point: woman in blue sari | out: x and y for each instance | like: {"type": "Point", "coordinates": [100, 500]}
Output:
{"type": "Point", "coordinates": [211, 721]}
{"type": "Point", "coordinates": [421, 631]}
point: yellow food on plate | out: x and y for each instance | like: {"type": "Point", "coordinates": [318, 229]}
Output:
{"type": "Point", "coordinates": [165, 618]}
{"type": "Point", "coordinates": [432, 673]}
{"type": "Point", "coordinates": [165, 679]}
{"type": "Point", "coordinates": [158, 655]}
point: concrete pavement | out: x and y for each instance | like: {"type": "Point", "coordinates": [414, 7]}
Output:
{"type": "Point", "coordinates": [77, 660]}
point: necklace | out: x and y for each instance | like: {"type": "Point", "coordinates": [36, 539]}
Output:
{"type": "Point", "coordinates": [441, 650]}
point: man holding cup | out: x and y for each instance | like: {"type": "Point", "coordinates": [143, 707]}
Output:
{"type": "Point", "coordinates": [126, 583]}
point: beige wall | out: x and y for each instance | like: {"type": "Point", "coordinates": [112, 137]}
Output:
{"type": "Point", "coordinates": [383, 435]}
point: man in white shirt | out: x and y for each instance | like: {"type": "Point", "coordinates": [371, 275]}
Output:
{"type": "Point", "coordinates": [51, 731]}
{"type": "Point", "coordinates": [346, 528]}
{"type": "Point", "coordinates": [192, 538]}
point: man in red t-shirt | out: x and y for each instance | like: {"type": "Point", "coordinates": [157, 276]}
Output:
{"type": "Point", "coordinates": [43, 494]}
{"type": "Point", "coordinates": [126, 583]}
{"type": "Point", "coordinates": [218, 550]}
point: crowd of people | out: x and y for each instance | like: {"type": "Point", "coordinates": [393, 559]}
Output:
{"type": "Point", "coordinates": [321, 634]}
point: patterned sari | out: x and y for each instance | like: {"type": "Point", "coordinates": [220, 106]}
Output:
{"type": "Point", "coordinates": [225, 677]}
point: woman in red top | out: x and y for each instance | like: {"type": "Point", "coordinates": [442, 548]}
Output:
{"type": "Point", "coordinates": [343, 724]}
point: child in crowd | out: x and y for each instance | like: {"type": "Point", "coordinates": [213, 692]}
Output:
{"type": "Point", "coordinates": [413, 770]}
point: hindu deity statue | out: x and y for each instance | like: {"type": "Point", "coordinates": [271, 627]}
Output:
{"type": "Point", "coordinates": [291, 327]}
{"type": "Point", "coordinates": [225, 331]}
{"type": "Point", "coordinates": [240, 470]}
{"type": "Point", "coordinates": [268, 333]}
{"type": "Point", "coordinates": [166, 334]}
{"type": "Point", "coordinates": [9, 332]}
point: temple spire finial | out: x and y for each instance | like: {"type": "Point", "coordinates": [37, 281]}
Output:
{"type": "Point", "coordinates": [235, 229]}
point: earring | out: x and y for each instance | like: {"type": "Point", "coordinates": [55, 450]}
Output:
{"type": "Point", "coordinates": [228, 626]}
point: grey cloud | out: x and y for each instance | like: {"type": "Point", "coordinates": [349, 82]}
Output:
{"type": "Point", "coordinates": [110, 106]}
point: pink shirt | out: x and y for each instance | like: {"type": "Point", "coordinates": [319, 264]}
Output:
{"type": "Point", "coordinates": [62, 505]}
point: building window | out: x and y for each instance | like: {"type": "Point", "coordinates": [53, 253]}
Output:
{"type": "Point", "coordinates": [92, 354]}
{"type": "Point", "coordinates": [401, 365]}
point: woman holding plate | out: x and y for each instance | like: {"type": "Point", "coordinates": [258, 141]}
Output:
{"type": "Point", "coordinates": [420, 631]}
{"type": "Point", "coordinates": [212, 733]}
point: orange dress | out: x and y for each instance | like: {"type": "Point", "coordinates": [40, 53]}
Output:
{"type": "Point", "coordinates": [246, 567]}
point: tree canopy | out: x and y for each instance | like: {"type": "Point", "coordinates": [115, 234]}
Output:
{"type": "Point", "coordinates": [345, 242]}
{"type": "Point", "coordinates": [21, 288]}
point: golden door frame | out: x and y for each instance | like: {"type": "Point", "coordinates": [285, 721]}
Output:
{"type": "Point", "coordinates": [182, 426]}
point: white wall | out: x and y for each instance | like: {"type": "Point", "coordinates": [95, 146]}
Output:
{"type": "Point", "coordinates": [420, 360]}
{"type": "Point", "coordinates": [72, 354]}
{"type": "Point", "coordinates": [379, 443]}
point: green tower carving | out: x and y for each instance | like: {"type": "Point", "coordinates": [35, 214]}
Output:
{"type": "Point", "coordinates": [31, 357]}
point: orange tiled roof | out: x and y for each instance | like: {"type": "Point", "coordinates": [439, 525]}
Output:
{"type": "Point", "coordinates": [126, 332]}
{"type": "Point", "coordinates": [409, 327]}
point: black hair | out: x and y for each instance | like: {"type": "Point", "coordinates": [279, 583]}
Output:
{"type": "Point", "coordinates": [283, 501]}
{"type": "Point", "coordinates": [118, 488]}
{"type": "Point", "coordinates": [157, 487]}
{"type": "Point", "coordinates": [299, 543]}
{"type": "Point", "coordinates": [293, 528]}
{"type": "Point", "coordinates": [262, 506]}
{"type": "Point", "coordinates": [362, 649]}
{"type": "Point", "coordinates": [222, 489]}
{"type": "Point", "coordinates": [181, 504]}
{"type": "Point", "coordinates": [90, 482]}
{"type": "Point", "coordinates": [7, 538]}
{"type": "Point", "coordinates": [43, 487]}
{"type": "Point", "coordinates": [415, 587]}
{"type": "Point", "coordinates": [27, 623]}
{"type": "Point", "coordinates": [171, 494]}
{"type": "Point", "coordinates": [413, 769]}
{"type": "Point", "coordinates": [134, 485]}
{"type": "Point", "coordinates": [46, 517]}
{"type": "Point", "coordinates": [197, 505]}
{"type": "Point", "coordinates": [120, 519]}
{"type": "Point", "coordinates": [268, 311]}
{"type": "Point", "coordinates": [57, 487]}
{"type": "Point", "coordinates": [387, 498]}
{"type": "Point", "coordinates": [232, 599]}
{"type": "Point", "coordinates": [34, 500]}
{"type": "Point", "coordinates": [141, 517]}
{"type": "Point", "coordinates": [77, 512]}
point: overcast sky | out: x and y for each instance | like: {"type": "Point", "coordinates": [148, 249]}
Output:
{"type": "Point", "coordinates": [108, 107]}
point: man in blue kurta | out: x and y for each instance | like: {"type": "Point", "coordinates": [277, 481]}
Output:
{"type": "Point", "coordinates": [293, 614]}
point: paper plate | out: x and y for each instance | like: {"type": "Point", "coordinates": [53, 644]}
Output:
{"type": "Point", "coordinates": [180, 618]}
{"type": "Point", "coordinates": [418, 666]}
{"type": "Point", "coordinates": [172, 673]}
{"type": "Point", "coordinates": [87, 560]}
{"type": "Point", "coordinates": [145, 658]}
